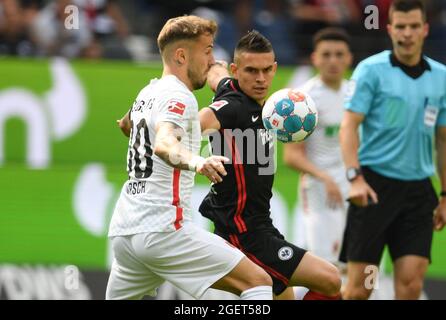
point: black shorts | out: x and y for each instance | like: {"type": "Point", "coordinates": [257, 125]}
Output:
{"type": "Point", "coordinates": [269, 249]}
{"type": "Point", "coordinates": [402, 220]}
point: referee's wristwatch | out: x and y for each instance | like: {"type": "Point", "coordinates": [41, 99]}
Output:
{"type": "Point", "coordinates": [352, 173]}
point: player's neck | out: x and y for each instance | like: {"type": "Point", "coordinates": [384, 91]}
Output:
{"type": "Point", "coordinates": [409, 61]}
{"type": "Point", "coordinates": [332, 84]}
{"type": "Point", "coordinates": [179, 74]}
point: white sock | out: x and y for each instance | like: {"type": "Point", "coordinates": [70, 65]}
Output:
{"type": "Point", "coordinates": [258, 293]}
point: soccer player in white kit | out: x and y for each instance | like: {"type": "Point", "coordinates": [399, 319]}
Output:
{"type": "Point", "coordinates": [323, 186]}
{"type": "Point", "coordinates": [152, 235]}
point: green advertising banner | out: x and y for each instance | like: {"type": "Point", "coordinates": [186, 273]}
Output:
{"type": "Point", "coordinates": [63, 161]}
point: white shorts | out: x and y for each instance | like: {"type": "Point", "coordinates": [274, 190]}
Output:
{"type": "Point", "coordinates": [324, 227]}
{"type": "Point", "coordinates": [190, 258]}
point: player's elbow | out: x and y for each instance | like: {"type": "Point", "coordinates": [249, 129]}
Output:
{"type": "Point", "coordinates": [291, 156]}
{"type": "Point", "coordinates": [124, 128]}
{"type": "Point", "coordinates": [160, 149]}
{"type": "Point", "coordinates": [287, 158]}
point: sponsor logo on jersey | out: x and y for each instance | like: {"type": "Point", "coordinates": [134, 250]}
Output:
{"type": "Point", "coordinates": [176, 107]}
{"type": "Point", "coordinates": [285, 253]}
{"type": "Point", "coordinates": [218, 104]}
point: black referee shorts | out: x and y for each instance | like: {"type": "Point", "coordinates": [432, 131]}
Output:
{"type": "Point", "coordinates": [268, 249]}
{"type": "Point", "coordinates": [402, 220]}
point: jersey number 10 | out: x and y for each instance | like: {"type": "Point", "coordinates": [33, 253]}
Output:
{"type": "Point", "coordinates": [140, 157]}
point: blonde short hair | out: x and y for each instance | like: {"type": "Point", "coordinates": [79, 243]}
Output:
{"type": "Point", "coordinates": [184, 28]}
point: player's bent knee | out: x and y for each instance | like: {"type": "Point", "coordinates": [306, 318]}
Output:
{"type": "Point", "coordinates": [333, 282]}
{"type": "Point", "coordinates": [259, 277]}
{"type": "Point", "coordinates": [409, 289]}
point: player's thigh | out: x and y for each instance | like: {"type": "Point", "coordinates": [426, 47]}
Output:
{"type": "Point", "coordinates": [245, 275]}
{"type": "Point", "coordinates": [126, 284]}
{"type": "Point", "coordinates": [191, 258]}
{"type": "Point", "coordinates": [129, 277]}
{"type": "Point", "coordinates": [412, 232]}
{"type": "Point", "coordinates": [362, 278]}
{"type": "Point", "coordinates": [324, 231]}
{"type": "Point", "coordinates": [316, 274]}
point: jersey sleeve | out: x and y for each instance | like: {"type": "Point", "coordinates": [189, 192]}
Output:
{"type": "Point", "coordinates": [225, 109]}
{"type": "Point", "coordinates": [176, 109]}
{"type": "Point", "coordinates": [361, 89]}
{"type": "Point", "coordinates": [221, 85]}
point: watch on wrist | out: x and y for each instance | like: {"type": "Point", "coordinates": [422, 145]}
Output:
{"type": "Point", "coordinates": [352, 173]}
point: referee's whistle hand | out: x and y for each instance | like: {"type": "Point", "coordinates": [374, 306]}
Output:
{"type": "Point", "coordinates": [361, 194]}
{"type": "Point", "coordinates": [440, 215]}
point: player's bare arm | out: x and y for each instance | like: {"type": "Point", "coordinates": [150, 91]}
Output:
{"type": "Point", "coordinates": [124, 124]}
{"type": "Point", "coordinates": [360, 190]}
{"type": "Point", "coordinates": [295, 157]}
{"type": "Point", "coordinates": [218, 71]}
{"type": "Point", "coordinates": [440, 144]}
{"type": "Point", "coordinates": [208, 121]}
{"type": "Point", "coordinates": [169, 148]}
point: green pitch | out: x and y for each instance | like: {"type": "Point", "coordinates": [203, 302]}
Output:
{"type": "Point", "coordinates": [39, 219]}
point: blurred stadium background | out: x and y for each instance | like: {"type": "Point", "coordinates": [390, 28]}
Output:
{"type": "Point", "coordinates": [62, 157]}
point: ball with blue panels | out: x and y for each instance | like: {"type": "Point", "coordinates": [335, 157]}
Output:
{"type": "Point", "coordinates": [291, 114]}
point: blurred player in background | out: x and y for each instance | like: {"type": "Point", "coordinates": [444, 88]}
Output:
{"type": "Point", "coordinates": [239, 206]}
{"type": "Point", "coordinates": [152, 235]}
{"type": "Point", "coordinates": [323, 187]}
{"type": "Point", "coordinates": [399, 102]}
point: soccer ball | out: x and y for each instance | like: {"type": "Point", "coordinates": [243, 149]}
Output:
{"type": "Point", "coordinates": [291, 114]}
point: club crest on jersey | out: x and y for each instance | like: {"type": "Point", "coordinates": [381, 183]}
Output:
{"type": "Point", "coordinates": [177, 107]}
{"type": "Point", "coordinates": [285, 253]}
{"type": "Point", "coordinates": [218, 104]}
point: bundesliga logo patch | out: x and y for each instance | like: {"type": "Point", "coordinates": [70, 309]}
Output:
{"type": "Point", "coordinates": [218, 104]}
{"type": "Point", "coordinates": [176, 107]}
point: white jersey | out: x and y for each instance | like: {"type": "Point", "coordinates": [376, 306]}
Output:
{"type": "Point", "coordinates": [322, 147]}
{"type": "Point", "coordinates": [157, 197]}
{"type": "Point", "coordinates": [324, 226]}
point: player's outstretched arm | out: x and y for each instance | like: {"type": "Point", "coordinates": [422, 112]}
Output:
{"type": "Point", "coordinates": [208, 121]}
{"type": "Point", "coordinates": [360, 191]}
{"type": "Point", "coordinates": [295, 156]}
{"type": "Point", "coordinates": [125, 124]}
{"type": "Point", "coordinates": [218, 71]}
{"type": "Point", "coordinates": [440, 144]}
{"type": "Point", "coordinates": [169, 148]}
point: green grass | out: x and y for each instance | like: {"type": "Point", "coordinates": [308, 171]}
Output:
{"type": "Point", "coordinates": [37, 222]}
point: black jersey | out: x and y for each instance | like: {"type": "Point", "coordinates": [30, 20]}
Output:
{"type": "Point", "coordinates": [241, 201]}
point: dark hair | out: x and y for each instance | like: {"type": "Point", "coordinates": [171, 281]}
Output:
{"type": "Point", "coordinates": [336, 34]}
{"type": "Point", "coordinates": [406, 6]}
{"type": "Point", "coordinates": [253, 41]}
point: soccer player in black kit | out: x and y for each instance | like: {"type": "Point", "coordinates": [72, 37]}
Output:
{"type": "Point", "coordinates": [239, 206]}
